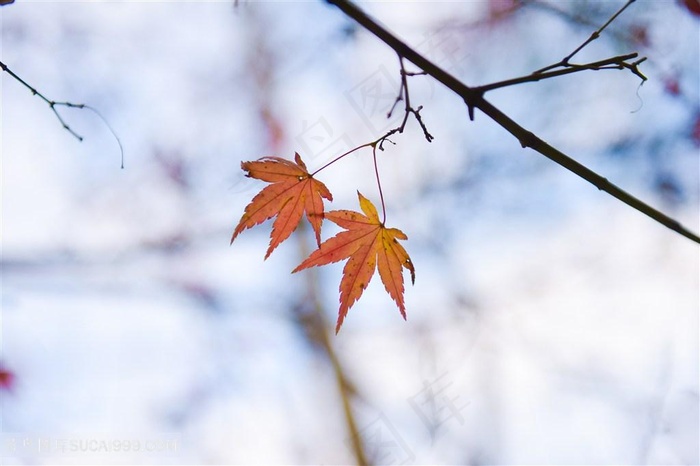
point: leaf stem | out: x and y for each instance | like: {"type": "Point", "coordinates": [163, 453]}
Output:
{"type": "Point", "coordinates": [343, 155]}
{"type": "Point", "coordinates": [379, 183]}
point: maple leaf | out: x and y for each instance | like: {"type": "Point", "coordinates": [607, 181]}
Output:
{"type": "Point", "coordinates": [293, 191]}
{"type": "Point", "coordinates": [367, 244]}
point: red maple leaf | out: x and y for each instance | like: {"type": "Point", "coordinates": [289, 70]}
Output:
{"type": "Point", "coordinates": [367, 244]}
{"type": "Point", "coordinates": [292, 193]}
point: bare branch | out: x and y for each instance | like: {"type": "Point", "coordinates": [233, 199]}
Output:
{"type": "Point", "coordinates": [475, 99]}
{"type": "Point", "coordinates": [404, 96]}
{"type": "Point", "coordinates": [53, 104]}
{"type": "Point", "coordinates": [408, 109]}
{"type": "Point", "coordinates": [565, 61]}
{"type": "Point", "coordinates": [614, 63]}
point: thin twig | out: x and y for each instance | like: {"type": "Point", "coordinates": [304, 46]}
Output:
{"type": "Point", "coordinates": [53, 104]}
{"type": "Point", "coordinates": [404, 96]}
{"type": "Point", "coordinates": [428, 137]}
{"type": "Point", "coordinates": [403, 89]}
{"type": "Point", "coordinates": [408, 109]}
{"type": "Point", "coordinates": [474, 99]}
{"type": "Point", "coordinates": [111, 130]}
{"type": "Point", "coordinates": [578, 20]}
{"type": "Point", "coordinates": [594, 36]}
{"type": "Point", "coordinates": [614, 63]}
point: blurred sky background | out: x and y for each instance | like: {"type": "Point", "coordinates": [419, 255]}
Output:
{"type": "Point", "coordinates": [549, 323]}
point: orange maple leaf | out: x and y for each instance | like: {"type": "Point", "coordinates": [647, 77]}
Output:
{"type": "Point", "coordinates": [293, 191]}
{"type": "Point", "coordinates": [366, 243]}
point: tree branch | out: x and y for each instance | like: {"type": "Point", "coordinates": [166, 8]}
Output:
{"type": "Point", "coordinates": [475, 99]}
{"type": "Point", "coordinates": [565, 61]}
{"type": "Point", "coordinates": [614, 63]}
{"type": "Point", "coordinates": [408, 109]}
{"type": "Point", "coordinates": [404, 96]}
{"type": "Point", "coordinates": [53, 104]}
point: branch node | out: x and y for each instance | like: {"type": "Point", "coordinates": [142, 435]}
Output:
{"type": "Point", "coordinates": [383, 140]}
{"type": "Point", "coordinates": [429, 137]}
{"type": "Point", "coordinates": [528, 139]}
